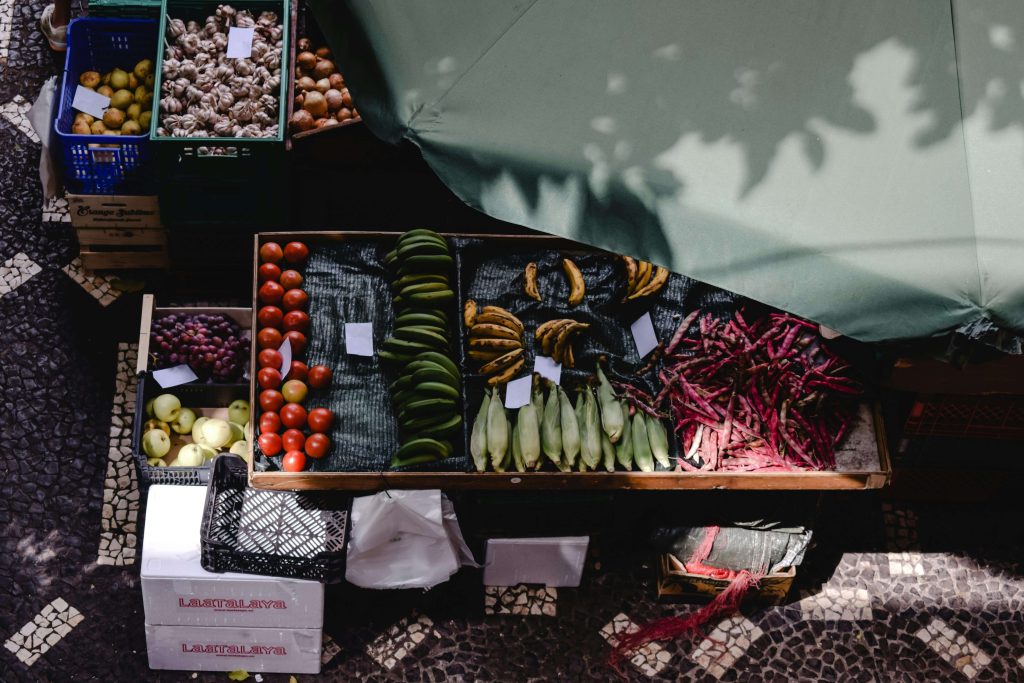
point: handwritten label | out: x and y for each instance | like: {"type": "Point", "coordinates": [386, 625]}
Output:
{"type": "Point", "coordinates": [644, 336]}
{"type": "Point", "coordinates": [286, 357]}
{"type": "Point", "coordinates": [547, 367]}
{"type": "Point", "coordinates": [90, 102]}
{"type": "Point", "coordinates": [240, 42]}
{"type": "Point", "coordinates": [172, 377]}
{"type": "Point", "coordinates": [359, 339]}
{"type": "Point", "coordinates": [517, 392]}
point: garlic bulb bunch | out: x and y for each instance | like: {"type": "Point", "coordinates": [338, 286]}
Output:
{"type": "Point", "coordinates": [204, 93]}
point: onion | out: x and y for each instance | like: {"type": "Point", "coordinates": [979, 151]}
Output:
{"type": "Point", "coordinates": [298, 100]}
{"type": "Point", "coordinates": [328, 122]}
{"type": "Point", "coordinates": [344, 114]}
{"type": "Point", "coordinates": [323, 52]}
{"type": "Point", "coordinates": [301, 121]}
{"type": "Point", "coordinates": [306, 83]}
{"type": "Point", "coordinates": [323, 69]}
{"type": "Point", "coordinates": [337, 81]}
{"type": "Point", "coordinates": [323, 85]}
{"type": "Point", "coordinates": [304, 45]}
{"type": "Point", "coordinates": [306, 60]}
{"type": "Point", "coordinates": [346, 98]}
{"type": "Point", "coordinates": [315, 104]}
{"type": "Point", "coordinates": [333, 98]}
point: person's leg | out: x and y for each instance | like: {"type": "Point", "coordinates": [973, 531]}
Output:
{"type": "Point", "coordinates": [54, 23]}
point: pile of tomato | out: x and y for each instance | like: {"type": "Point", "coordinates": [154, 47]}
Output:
{"type": "Point", "coordinates": [283, 391]}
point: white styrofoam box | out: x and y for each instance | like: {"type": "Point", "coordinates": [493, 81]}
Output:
{"type": "Point", "coordinates": [556, 562]}
{"type": "Point", "coordinates": [229, 648]}
{"type": "Point", "coordinates": [176, 590]}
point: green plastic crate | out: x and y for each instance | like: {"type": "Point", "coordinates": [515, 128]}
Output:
{"type": "Point", "coordinates": [206, 188]}
{"type": "Point", "coordinates": [140, 9]}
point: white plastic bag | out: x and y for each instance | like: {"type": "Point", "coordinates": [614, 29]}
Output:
{"type": "Point", "coordinates": [404, 539]}
{"type": "Point", "coordinates": [40, 115]}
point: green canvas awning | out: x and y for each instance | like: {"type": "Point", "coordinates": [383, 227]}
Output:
{"type": "Point", "coordinates": [857, 163]}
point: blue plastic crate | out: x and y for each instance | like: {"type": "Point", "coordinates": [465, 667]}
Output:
{"type": "Point", "coordinates": [105, 164]}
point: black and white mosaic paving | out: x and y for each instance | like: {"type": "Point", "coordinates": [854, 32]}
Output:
{"type": "Point", "coordinates": [892, 590]}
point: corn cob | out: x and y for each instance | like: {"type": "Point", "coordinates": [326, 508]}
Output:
{"type": "Point", "coordinates": [624, 449]}
{"type": "Point", "coordinates": [570, 428]}
{"type": "Point", "coordinates": [478, 437]}
{"type": "Point", "coordinates": [641, 445]}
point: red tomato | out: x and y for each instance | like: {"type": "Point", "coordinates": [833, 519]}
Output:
{"type": "Point", "coordinates": [271, 293]}
{"type": "Point", "coordinates": [296, 320]}
{"type": "Point", "coordinates": [271, 400]}
{"type": "Point", "coordinates": [296, 253]}
{"type": "Point", "coordinates": [320, 420]}
{"type": "Point", "coordinates": [269, 378]}
{"type": "Point", "coordinates": [270, 423]}
{"type": "Point", "coordinates": [270, 443]}
{"type": "Point", "coordinates": [298, 341]}
{"type": "Point", "coordinates": [291, 279]}
{"type": "Point", "coordinates": [269, 338]}
{"type": "Point", "coordinates": [270, 316]}
{"type": "Point", "coordinates": [295, 299]}
{"type": "Point", "coordinates": [298, 371]}
{"type": "Point", "coordinates": [294, 461]}
{"type": "Point", "coordinates": [269, 272]}
{"type": "Point", "coordinates": [271, 252]}
{"type": "Point", "coordinates": [270, 358]}
{"type": "Point", "coordinates": [293, 415]}
{"type": "Point", "coordinates": [293, 440]}
{"type": "Point", "coordinates": [317, 445]}
{"type": "Point", "coordinates": [320, 376]}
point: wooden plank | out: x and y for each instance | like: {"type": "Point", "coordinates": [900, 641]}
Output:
{"type": "Point", "coordinates": [123, 260]}
{"type": "Point", "coordinates": [128, 237]}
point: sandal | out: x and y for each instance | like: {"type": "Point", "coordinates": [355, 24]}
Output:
{"type": "Point", "coordinates": [57, 36]}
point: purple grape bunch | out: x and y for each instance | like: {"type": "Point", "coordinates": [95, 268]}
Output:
{"type": "Point", "coordinates": [211, 344]}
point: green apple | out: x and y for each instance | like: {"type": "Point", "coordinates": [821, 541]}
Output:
{"type": "Point", "coordinates": [216, 433]}
{"type": "Point", "coordinates": [156, 462]}
{"type": "Point", "coordinates": [156, 424]}
{"type": "Point", "coordinates": [238, 411]}
{"type": "Point", "coordinates": [190, 455]}
{"type": "Point", "coordinates": [156, 444]}
{"type": "Point", "coordinates": [149, 407]}
{"type": "Point", "coordinates": [197, 429]}
{"type": "Point", "coordinates": [248, 434]}
{"type": "Point", "coordinates": [166, 407]}
{"type": "Point", "coordinates": [241, 448]}
{"type": "Point", "coordinates": [237, 433]}
{"type": "Point", "coordinates": [208, 453]}
{"type": "Point", "coordinates": [183, 424]}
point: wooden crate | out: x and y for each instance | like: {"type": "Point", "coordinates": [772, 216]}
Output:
{"type": "Point", "coordinates": [864, 459]}
{"type": "Point", "coordinates": [675, 584]}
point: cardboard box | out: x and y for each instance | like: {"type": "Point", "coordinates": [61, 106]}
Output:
{"type": "Point", "coordinates": [677, 584]}
{"type": "Point", "coordinates": [199, 648]}
{"type": "Point", "coordinates": [556, 562]}
{"type": "Point", "coordinates": [176, 590]}
{"type": "Point", "coordinates": [114, 211]}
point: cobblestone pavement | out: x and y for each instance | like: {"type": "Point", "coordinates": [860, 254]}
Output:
{"type": "Point", "coordinates": [892, 590]}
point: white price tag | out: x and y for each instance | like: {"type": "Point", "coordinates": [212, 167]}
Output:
{"type": "Point", "coordinates": [172, 377]}
{"type": "Point", "coordinates": [644, 336]}
{"type": "Point", "coordinates": [359, 339]}
{"type": "Point", "coordinates": [286, 357]}
{"type": "Point", "coordinates": [90, 102]}
{"type": "Point", "coordinates": [547, 367]}
{"type": "Point", "coordinates": [240, 42]}
{"type": "Point", "coordinates": [517, 392]}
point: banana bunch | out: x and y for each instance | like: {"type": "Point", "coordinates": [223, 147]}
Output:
{"type": "Point", "coordinates": [577, 287]}
{"type": "Point", "coordinates": [643, 278]}
{"type": "Point", "coordinates": [495, 339]}
{"type": "Point", "coordinates": [426, 391]}
{"type": "Point", "coordinates": [555, 337]}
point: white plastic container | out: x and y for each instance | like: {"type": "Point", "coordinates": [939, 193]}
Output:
{"type": "Point", "coordinates": [204, 648]}
{"type": "Point", "coordinates": [555, 562]}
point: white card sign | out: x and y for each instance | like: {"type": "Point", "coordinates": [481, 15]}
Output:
{"type": "Point", "coordinates": [547, 367]}
{"type": "Point", "coordinates": [90, 102]}
{"type": "Point", "coordinates": [644, 336]}
{"type": "Point", "coordinates": [359, 339]}
{"type": "Point", "coordinates": [517, 392]}
{"type": "Point", "coordinates": [286, 357]}
{"type": "Point", "coordinates": [172, 377]}
{"type": "Point", "coordinates": [240, 42]}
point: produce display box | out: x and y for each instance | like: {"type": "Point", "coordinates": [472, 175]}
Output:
{"type": "Point", "coordinates": [119, 231]}
{"type": "Point", "coordinates": [104, 164]}
{"type": "Point", "coordinates": [863, 460]}
{"type": "Point", "coordinates": [208, 400]}
{"type": "Point", "coordinates": [304, 25]}
{"type": "Point", "coordinates": [244, 185]}
{"type": "Point", "coordinates": [272, 533]}
{"type": "Point", "coordinates": [148, 9]}
{"type": "Point", "coordinates": [675, 584]}
{"type": "Point", "coordinates": [966, 417]}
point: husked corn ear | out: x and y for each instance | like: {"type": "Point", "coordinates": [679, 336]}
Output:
{"type": "Point", "coordinates": [590, 435]}
{"type": "Point", "coordinates": [478, 437]}
{"type": "Point", "coordinates": [497, 430]}
{"type": "Point", "coordinates": [624, 448]}
{"type": "Point", "coordinates": [611, 411]}
{"type": "Point", "coordinates": [608, 452]}
{"type": "Point", "coordinates": [658, 437]}
{"type": "Point", "coordinates": [641, 445]}
{"type": "Point", "coordinates": [551, 429]}
{"type": "Point", "coordinates": [570, 428]}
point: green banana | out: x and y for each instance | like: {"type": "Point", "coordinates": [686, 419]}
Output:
{"type": "Point", "coordinates": [478, 435]}
{"type": "Point", "coordinates": [551, 429]}
{"type": "Point", "coordinates": [570, 428]}
{"type": "Point", "coordinates": [446, 428]}
{"type": "Point", "coordinates": [393, 357]}
{"type": "Point", "coordinates": [426, 247]}
{"type": "Point", "coordinates": [437, 389]}
{"type": "Point", "coordinates": [611, 411]}
{"type": "Point", "coordinates": [497, 430]}
{"type": "Point", "coordinates": [442, 360]}
{"type": "Point", "coordinates": [658, 437]}
{"type": "Point", "coordinates": [641, 445]}
{"type": "Point", "coordinates": [420, 318]}
{"type": "Point", "coordinates": [400, 384]}
{"type": "Point", "coordinates": [435, 263]}
{"type": "Point", "coordinates": [404, 346]}
{"type": "Point", "coordinates": [428, 406]}
{"type": "Point", "coordinates": [413, 447]}
{"type": "Point", "coordinates": [590, 435]}
{"type": "Point", "coordinates": [415, 424]}
{"type": "Point", "coordinates": [423, 287]}
{"type": "Point", "coordinates": [608, 450]}
{"type": "Point", "coordinates": [431, 336]}
{"type": "Point", "coordinates": [434, 374]}
{"type": "Point", "coordinates": [410, 235]}
{"type": "Point", "coordinates": [428, 299]}
{"type": "Point", "coordinates": [389, 258]}
{"type": "Point", "coordinates": [624, 448]}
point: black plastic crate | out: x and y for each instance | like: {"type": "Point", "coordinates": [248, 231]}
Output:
{"type": "Point", "coordinates": [292, 534]}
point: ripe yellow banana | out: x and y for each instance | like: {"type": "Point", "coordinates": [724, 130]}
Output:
{"type": "Point", "coordinates": [630, 264]}
{"type": "Point", "coordinates": [509, 319]}
{"type": "Point", "coordinates": [657, 281]}
{"type": "Point", "coordinates": [577, 288]}
{"type": "Point", "coordinates": [644, 271]}
{"type": "Point", "coordinates": [501, 362]}
{"type": "Point", "coordinates": [530, 282]}
{"type": "Point", "coordinates": [469, 312]}
{"type": "Point", "coordinates": [491, 344]}
{"type": "Point", "coordinates": [484, 330]}
{"type": "Point", "coordinates": [507, 375]}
